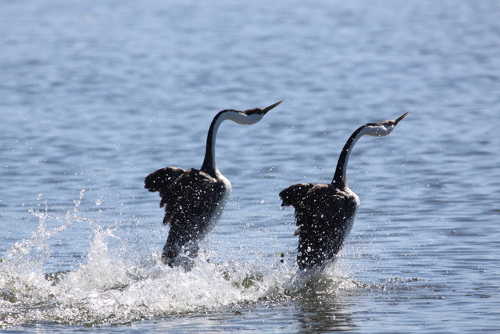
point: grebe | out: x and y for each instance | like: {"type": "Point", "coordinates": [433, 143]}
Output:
{"type": "Point", "coordinates": [194, 198]}
{"type": "Point", "coordinates": [325, 212]}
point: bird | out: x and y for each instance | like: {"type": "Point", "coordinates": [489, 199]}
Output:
{"type": "Point", "coordinates": [194, 199]}
{"type": "Point", "coordinates": [324, 213]}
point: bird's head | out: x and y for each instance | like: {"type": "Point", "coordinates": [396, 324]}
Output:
{"type": "Point", "coordinates": [382, 128]}
{"type": "Point", "coordinates": [250, 116]}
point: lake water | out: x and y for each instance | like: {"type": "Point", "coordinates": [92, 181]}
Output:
{"type": "Point", "coordinates": [94, 96]}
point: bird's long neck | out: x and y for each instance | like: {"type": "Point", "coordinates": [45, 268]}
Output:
{"type": "Point", "coordinates": [208, 165]}
{"type": "Point", "coordinates": [340, 179]}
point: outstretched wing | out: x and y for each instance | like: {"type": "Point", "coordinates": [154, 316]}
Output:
{"type": "Point", "coordinates": [194, 194]}
{"type": "Point", "coordinates": [162, 181]}
{"type": "Point", "coordinates": [293, 195]}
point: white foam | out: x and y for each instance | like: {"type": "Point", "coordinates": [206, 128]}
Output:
{"type": "Point", "coordinates": [109, 286]}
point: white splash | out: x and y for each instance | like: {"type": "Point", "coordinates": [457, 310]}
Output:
{"type": "Point", "coordinates": [109, 287]}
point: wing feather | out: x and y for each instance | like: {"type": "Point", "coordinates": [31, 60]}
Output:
{"type": "Point", "coordinates": [293, 195]}
{"type": "Point", "coordinates": [162, 181]}
{"type": "Point", "coordinates": [194, 194]}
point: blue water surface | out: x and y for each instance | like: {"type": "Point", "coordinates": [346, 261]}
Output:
{"type": "Point", "coordinates": [96, 95]}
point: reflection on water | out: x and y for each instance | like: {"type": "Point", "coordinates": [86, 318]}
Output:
{"type": "Point", "coordinates": [318, 313]}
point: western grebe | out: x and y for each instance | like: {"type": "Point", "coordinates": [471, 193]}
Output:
{"type": "Point", "coordinates": [325, 212]}
{"type": "Point", "coordinates": [194, 198]}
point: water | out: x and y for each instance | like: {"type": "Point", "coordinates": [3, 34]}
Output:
{"type": "Point", "coordinates": [93, 97]}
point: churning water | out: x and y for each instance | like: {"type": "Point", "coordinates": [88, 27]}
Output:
{"type": "Point", "coordinates": [94, 96]}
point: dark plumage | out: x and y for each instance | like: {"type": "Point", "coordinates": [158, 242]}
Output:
{"type": "Point", "coordinates": [325, 213]}
{"type": "Point", "coordinates": [193, 199]}
{"type": "Point", "coordinates": [324, 216]}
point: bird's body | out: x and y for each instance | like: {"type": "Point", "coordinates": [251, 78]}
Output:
{"type": "Point", "coordinates": [324, 216]}
{"type": "Point", "coordinates": [325, 213]}
{"type": "Point", "coordinates": [194, 199]}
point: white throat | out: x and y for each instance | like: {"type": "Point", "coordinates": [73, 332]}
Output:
{"type": "Point", "coordinates": [242, 118]}
{"type": "Point", "coordinates": [378, 130]}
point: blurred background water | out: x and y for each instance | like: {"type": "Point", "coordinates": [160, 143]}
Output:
{"type": "Point", "coordinates": [94, 96]}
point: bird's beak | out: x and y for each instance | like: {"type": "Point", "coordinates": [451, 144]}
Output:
{"type": "Point", "coordinates": [266, 109]}
{"type": "Point", "coordinates": [397, 120]}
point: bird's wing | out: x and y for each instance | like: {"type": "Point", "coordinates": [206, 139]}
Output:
{"type": "Point", "coordinates": [162, 181]}
{"type": "Point", "coordinates": [293, 195]}
{"type": "Point", "coordinates": [193, 194]}
{"type": "Point", "coordinates": [328, 200]}
{"type": "Point", "coordinates": [328, 206]}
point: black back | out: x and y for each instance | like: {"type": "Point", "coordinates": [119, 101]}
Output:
{"type": "Point", "coordinates": [324, 216]}
{"type": "Point", "coordinates": [191, 199]}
